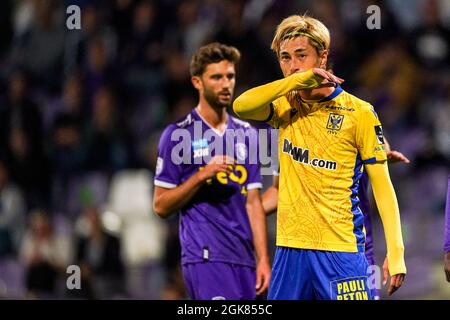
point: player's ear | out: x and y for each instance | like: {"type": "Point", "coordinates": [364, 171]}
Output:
{"type": "Point", "coordinates": [196, 82]}
{"type": "Point", "coordinates": [323, 59]}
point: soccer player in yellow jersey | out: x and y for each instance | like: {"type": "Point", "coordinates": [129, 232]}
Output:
{"type": "Point", "coordinates": [327, 137]}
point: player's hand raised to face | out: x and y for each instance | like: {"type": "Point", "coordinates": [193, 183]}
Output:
{"type": "Point", "coordinates": [329, 78]}
{"type": "Point", "coordinates": [217, 164]}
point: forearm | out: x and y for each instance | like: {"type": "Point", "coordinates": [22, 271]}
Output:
{"type": "Point", "coordinates": [270, 200]}
{"type": "Point", "coordinates": [168, 201]}
{"type": "Point", "coordinates": [257, 219]}
{"type": "Point", "coordinates": [386, 200]}
{"type": "Point", "coordinates": [255, 103]}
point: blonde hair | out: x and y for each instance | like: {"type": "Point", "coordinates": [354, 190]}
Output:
{"type": "Point", "coordinates": [295, 26]}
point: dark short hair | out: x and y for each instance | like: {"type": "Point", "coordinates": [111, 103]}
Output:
{"type": "Point", "coordinates": [212, 53]}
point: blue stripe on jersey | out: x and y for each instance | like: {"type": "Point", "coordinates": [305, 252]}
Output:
{"type": "Point", "coordinates": [371, 160]}
{"type": "Point", "coordinates": [334, 94]}
{"type": "Point", "coordinates": [358, 217]}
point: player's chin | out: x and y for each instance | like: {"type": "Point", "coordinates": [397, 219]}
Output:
{"type": "Point", "coordinates": [224, 99]}
{"type": "Point", "coordinates": [224, 103]}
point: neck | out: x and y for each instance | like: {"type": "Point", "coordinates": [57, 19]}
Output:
{"type": "Point", "coordinates": [316, 94]}
{"type": "Point", "coordinates": [216, 117]}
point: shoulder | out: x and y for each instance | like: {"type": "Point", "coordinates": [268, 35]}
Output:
{"type": "Point", "coordinates": [167, 133]}
{"type": "Point", "coordinates": [240, 124]}
{"type": "Point", "coordinates": [184, 123]}
{"type": "Point", "coordinates": [360, 105]}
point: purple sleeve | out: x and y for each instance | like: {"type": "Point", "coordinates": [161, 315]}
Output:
{"type": "Point", "coordinates": [254, 180]}
{"type": "Point", "coordinates": [447, 220]}
{"type": "Point", "coordinates": [167, 173]}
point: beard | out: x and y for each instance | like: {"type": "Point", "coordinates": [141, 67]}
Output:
{"type": "Point", "coordinates": [214, 101]}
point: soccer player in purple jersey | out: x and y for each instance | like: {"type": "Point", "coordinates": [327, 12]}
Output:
{"type": "Point", "coordinates": [270, 202]}
{"type": "Point", "coordinates": [447, 234]}
{"type": "Point", "coordinates": [216, 188]}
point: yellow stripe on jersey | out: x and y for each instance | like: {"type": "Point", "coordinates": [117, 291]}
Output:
{"type": "Point", "coordinates": [322, 148]}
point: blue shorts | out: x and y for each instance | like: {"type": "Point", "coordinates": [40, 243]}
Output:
{"type": "Point", "coordinates": [300, 274]}
{"type": "Point", "coordinates": [219, 281]}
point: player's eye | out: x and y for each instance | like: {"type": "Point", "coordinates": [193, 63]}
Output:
{"type": "Point", "coordinates": [230, 76]}
{"type": "Point", "coordinates": [216, 77]}
{"type": "Point", "coordinates": [285, 58]}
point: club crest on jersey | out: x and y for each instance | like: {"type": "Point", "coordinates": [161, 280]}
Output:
{"type": "Point", "coordinates": [200, 148]}
{"type": "Point", "coordinates": [159, 165]}
{"type": "Point", "coordinates": [241, 151]}
{"type": "Point", "coordinates": [335, 122]}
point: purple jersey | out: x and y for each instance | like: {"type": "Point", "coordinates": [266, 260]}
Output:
{"type": "Point", "coordinates": [447, 220]}
{"type": "Point", "coordinates": [214, 225]}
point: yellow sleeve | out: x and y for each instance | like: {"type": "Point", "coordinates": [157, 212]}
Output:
{"type": "Point", "coordinates": [255, 103]}
{"type": "Point", "coordinates": [386, 200]}
{"type": "Point", "coordinates": [274, 118]}
{"type": "Point", "coordinates": [369, 136]}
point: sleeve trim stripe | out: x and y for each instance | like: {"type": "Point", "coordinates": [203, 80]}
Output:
{"type": "Point", "coordinates": [270, 114]}
{"type": "Point", "coordinates": [164, 184]}
{"type": "Point", "coordinates": [254, 185]}
{"type": "Point", "coordinates": [369, 161]}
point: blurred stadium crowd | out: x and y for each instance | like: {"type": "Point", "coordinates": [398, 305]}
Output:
{"type": "Point", "coordinates": [81, 112]}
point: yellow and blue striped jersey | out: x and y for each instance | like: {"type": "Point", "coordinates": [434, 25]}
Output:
{"type": "Point", "coordinates": [322, 148]}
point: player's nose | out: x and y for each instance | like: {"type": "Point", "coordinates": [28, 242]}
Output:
{"type": "Point", "coordinates": [294, 68]}
{"type": "Point", "coordinates": [226, 84]}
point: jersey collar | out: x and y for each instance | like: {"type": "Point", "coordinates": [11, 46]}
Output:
{"type": "Point", "coordinates": [334, 94]}
{"type": "Point", "coordinates": [219, 133]}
